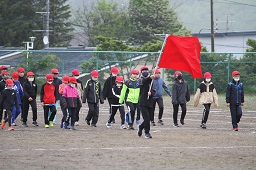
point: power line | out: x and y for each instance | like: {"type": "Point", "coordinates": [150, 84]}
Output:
{"type": "Point", "coordinates": [234, 2]}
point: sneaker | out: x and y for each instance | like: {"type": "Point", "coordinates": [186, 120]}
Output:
{"type": "Point", "coordinates": [14, 124]}
{"type": "Point", "coordinates": [138, 122]}
{"type": "Point", "coordinates": [72, 128]}
{"type": "Point", "coordinates": [34, 123]}
{"type": "Point", "coordinates": [46, 126]}
{"type": "Point", "coordinates": [10, 128]}
{"type": "Point", "coordinates": [24, 124]}
{"type": "Point", "coordinates": [130, 127]}
{"type": "Point", "coordinates": [88, 122]}
{"type": "Point", "coordinates": [66, 127]}
{"type": "Point", "coordinates": [148, 136]}
{"type": "Point", "coordinates": [235, 129]}
{"type": "Point", "coordinates": [108, 125]}
{"type": "Point", "coordinates": [175, 125]}
{"type": "Point", "coordinates": [123, 126]}
{"type": "Point", "coordinates": [54, 122]}
{"type": "Point", "coordinates": [203, 126]}
{"type": "Point", "coordinates": [93, 125]}
{"type": "Point", "coordinates": [182, 122]}
{"type": "Point", "coordinates": [113, 121]}
{"type": "Point", "coordinates": [3, 124]}
{"type": "Point", "coordinates": [51, 123]}
{"type": "Point", "coordinates": [153, 123]}
{"type": "Point", "coordinates": [76, 124]}
{"type": "Point", "coordinates": [160, 122]}
{"type": "Point", "coordinates": [139, 132]}
{"type": "Point", "coordinates": [61, 124]}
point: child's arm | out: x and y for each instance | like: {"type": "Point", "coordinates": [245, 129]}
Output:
{"type": "Point", "coordinates": [100, 95]}
{"type": "Point", "coordinates": [123, 92]}
{"type": "Point", "coordinates": [42, 95]}
{"type": "Point", "coordinates": [166, 89]}
{"type": "Point", "coordinates": [85, 92]}
{"type": "Point", "coordinates": [197, 97]}
{"type": "Point", "coordinates": [228, 95]}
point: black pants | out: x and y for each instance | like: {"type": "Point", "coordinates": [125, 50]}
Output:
{"type": "Point", "coordinates": [8, 117]}
{"type": "Point", "coordinates": [146, 112]}
{"type": "Point", "coordinates": [93, 113]}
{"type": "Point", "coordinates": [236, 114]}
{"type": "Point", "coordinates": [176, 110]}
{"type": "Point", "coordinates": [160, 103]}
{"type": "Point", "coordinates": [77, 113]}
{"type": "Point", "coordinates": [64, 112]}
{"type": "Point", "coordinates": [33, 105]}
{"type": "Point", "coordinates": [132, 108]}
{"type": "Point", "coordinates": [46, 111]}
{"type": "Point", "coordinates": [71, 115]}
{"type": "Point", "coordinates": [138, 112]}
{"type": "Point", "coordinates": [206, 112]}
{"type": "Point", "coordinates": [113, 113]}
{"type": "Point", "coordinates": [1, 114]}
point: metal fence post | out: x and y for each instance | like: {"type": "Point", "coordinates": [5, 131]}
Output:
{"type": "Point", "coordinates": [97, 61]}
{"type": "Point", "coordinates": [228, 67]}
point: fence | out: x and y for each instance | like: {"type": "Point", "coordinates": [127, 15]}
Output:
{"type": "Point", "coordinates": [219, 64]}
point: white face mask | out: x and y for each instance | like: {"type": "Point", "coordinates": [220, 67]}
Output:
{"type": "Point", "coordinates": [76, 77]}
{"type": "Point", "coordinates": [236, 79]}
{"type": "Point", "coordinates": [114, 75]}
{"type": "Point", "coordinates": [118, 84]}
{"type": "Point", "coordinates": [49, 82]}
{"type": "Point", "coordinates": [94, 78]}
{"type": "Point", "coordinates": [207, 80]}
{"type": "Point", "coordinates": [73, 85]}
{"type": "Point", "coordinates": [9, 87]}
{"type": "Point", "coordinates": [30, 79]}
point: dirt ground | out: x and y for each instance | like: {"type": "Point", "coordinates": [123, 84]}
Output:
{"type": "Point", "coordinates": [186, 147]}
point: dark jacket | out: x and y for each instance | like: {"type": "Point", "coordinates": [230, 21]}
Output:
{"type": "Point", "coordinates": [116, 91]}
{"type": "Point", "coordinates": [92, 92]}
{"type": "Point", "coordinates": [160, 84]}
{"type": "Point", "coordinates": [49, 93]}
{"type": "Point", "coordinates": [144, 89]}
{"type": "Point", "coordinates": [180, 92]}
{"type": "Point", "coordinates": [57, 82]}
{"type": "Point", "coordinates": [8, 99]}
{"type": "Point", "coordinates": [22, 80]}
{"type": "Point", "coordinates": [2, 85]}
{"type": "Point", "coordinates": [235, 93]}
{"type": "Point", "coordinates": [107, 87]}
{"type": "Point", "coordinates": [30, 89]}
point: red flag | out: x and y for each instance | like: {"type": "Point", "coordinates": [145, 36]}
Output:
{"type": "Point", "coordinates": [182, 53]}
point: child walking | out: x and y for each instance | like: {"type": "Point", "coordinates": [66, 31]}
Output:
{"type": "Point", "coordinates": [206, 95]}
{"type": "Point", "coordinates": [49, 92]}
{"type": "Point", "coordinates": [72, 102]}
{"type": "Point", "coordinates": [8, 100]}
{"type": "Point", "coordinates": [116, 91]}
{"type": "Point", "coordinates": [93, 95]}
{"type": "Point", "coordinates": [63, 104]}
{"type": "Point", "coordinates": [235, 99]}
{"type": "Point", "coordinates": [180, 96]}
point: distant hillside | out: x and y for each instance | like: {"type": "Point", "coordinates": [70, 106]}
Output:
{"type": "Point", "coordinates": [195, 14]}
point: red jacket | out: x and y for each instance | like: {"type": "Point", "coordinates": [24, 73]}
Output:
{"type": "Point", "coordinates": [48, 93]}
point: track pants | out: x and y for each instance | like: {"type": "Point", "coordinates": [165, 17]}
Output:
{"type": "Point", "coordinates": [146, 112]}
{"type": "Point", "coordinates": [46, 112]}
{"type": "Point", "coordinates": [8, 117]}
{"type": "Point", "coordinates": [114, 109]}
{"type": "Point", "coordinates": [33, 105]}
{"type": "Point", "coordinates": [236, 114]}
{"type": "Point", "coordinates": [160, 103]}
{"type": "Point", "coordinates": [15, 113]}
{"type": "Point", "coordinates": [132, 108]}
{"type": "Point", "coordinates": [206, 113]}
{"type": "Point", "coordinates": [176, 110]}
{"type": "Point", "coordinates": [93, 113]}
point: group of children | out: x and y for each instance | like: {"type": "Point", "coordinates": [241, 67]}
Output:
{"type": "Point", "coordinates": [138, 93]}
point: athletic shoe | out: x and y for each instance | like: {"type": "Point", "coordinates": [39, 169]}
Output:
{"type": "Point", "coordinates": [113, 121]}
{"type": "Point", "coordinates": [123, 126]}
{"type": "Point", "coordinates": [148, 136]}
{"type": "Point", "coordinates": [76, 124]}
{"type": "Point", "coordinates": [203, 126]}
{"type": "Point", "coordinates": [3, 124]}
{"type": "Point", "coordinates": [61, 124]}
{"type": "Point", "coordinates": [235, 129]}
{"type": "Point", "coordinates": [51, 123]}
{"type": "Point", "coordinates": [66, 127]}
{"type": "Point", "coordinates": [182, 122]}
{"type": "Point", "coordinates": [138, 122]}
{"type": "Point", "coordinates": [34, 123]}
{"type": "Point", "coordinates": [160, 122]}
{"type": "Point", "coordinates": [46, 126]}
{"type": "Point", "coordinates": [130, 127]}
{"type": "Point", "coordinates": [14, 124]}
{"type": "Point", "coordinates": [153, 123]}
{"type": "Point", "coordinates": [175, 125]}
{"type": "Point", "coordinates": [93, 125]}
{"type": "Point", "coordinates": [139, 132]}
{"type": "Point", "coordinates": [24, 124]}
{"type": "Point", "coordinates": [108, 125]}
{"type": "Point", "coordinates": [88, 122]}
{"type": "Point", "coordinates": [10, 128]}
{"type": "Point", "coordinates": [72, 128]}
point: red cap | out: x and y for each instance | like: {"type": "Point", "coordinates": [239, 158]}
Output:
{"type": "Point", "coordinates": [9, 82]}
{"type": "Point", "coordinates": [21, 70]}
{"type": "Point", "coordinates": [75, 72]}
{"type": "Point", "coordinates": [143, 68]}
{"type": "Point", "coordinates": [49, 77]}
{"type": "Point", "coordinates": [119, 79]}
{"type": "Point", "coordinates": [15, 75]}
{"type": "Point", "coordinates": [177, 73]}
{"type": "Point", "coordinates": [3, 68]}
{"type": "Point", "coordinates": [5, 73]}
{"type": "Point", "coordinates": [72, 80]}
{"type": "Point", "coordinates": [65, 79]}
{"type": "Point", "coordinates": [157, 71]}
{"type": "Point", "coordinates": [207, 75]}
{"type": "Point", "coordinates": [134, 72]}
{"type": "Point", "coordinates": [55, 71]}
{"type": "Point", "coordinates": [95, 73]}
{"type": "Point", "coordinates": [114, 70]}
{"type": "Point", "coordinates": [235, 73]}
{"type": "Point", "coordinates": [30, 74]}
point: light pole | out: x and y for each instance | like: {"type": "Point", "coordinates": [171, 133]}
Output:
{"type": "Point", "coordinates": [29, 46]}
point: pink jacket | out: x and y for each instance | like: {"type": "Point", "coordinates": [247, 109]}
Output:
{"type": "Point", "coordinates": [70, 92]}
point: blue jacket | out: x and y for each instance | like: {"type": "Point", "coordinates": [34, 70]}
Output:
{"type": "Point", "coordinates": [235, 93]}
{"type": "Point", "coordinates": [19, 91]}
{"type": "Point", "coordinates": [159, 84]}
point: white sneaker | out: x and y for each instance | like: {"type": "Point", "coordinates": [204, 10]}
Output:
{"type": "Point", "coordinates": [123, 126]}
{"type": "Point", "coordinates": [76, 124]}
{"type": "Point", "coordinates": [108, 125]}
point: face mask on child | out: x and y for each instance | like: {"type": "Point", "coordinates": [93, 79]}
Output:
{"type": "Point", "coordinates": [145, 74]}
{"type": "Point", "coordinates": [207, 80]}
{"type": "Point", "coordinates": [73, 85]}
{"type": "Point", "coordinates": [236, 79]}
{"type": "Point", "coordinates": [30, 79]}
{"type": "Point", "coordinates": [94, 78]}
{"type": "Point", "coordinates": [9, 87]}
{"type": "Point", "coordinates": [118, 84]}
{"type": "Point", "coordinates": [49, 82]}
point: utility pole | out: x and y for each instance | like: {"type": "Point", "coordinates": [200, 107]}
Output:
{"type": "Point", "coordinates": [212, 30]}
{"type": "Point", "coordinates": [47, 22]}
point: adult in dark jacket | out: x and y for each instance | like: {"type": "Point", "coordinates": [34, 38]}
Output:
{"type": "Point", "coordinates": [30, 92]}
{"type": "Point", "coordinates": [146, 101]}
{"type": "Point", "coordinates": [180, 96]}
{"type": "Point", "coordinates": [235, 99]}
{"type": "Point", "coordinates": [107, 88]}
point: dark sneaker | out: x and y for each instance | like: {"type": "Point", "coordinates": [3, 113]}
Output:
{"type": "Point", "coordinates": [130, 127]}
{"type": "Point", "coordinates": [88, 122]}
{"type": "Point", "coordinates": [148, 136]}
{"type": "Point", "coordinates": [34, 123]}
{"type": "Point", "coordinates": [93, 125]}
{"type": "Point", "coordinates": [203, 126]}
{"type": "Point", "coordinates": [24, 124]}
{"type": "Point", "coordinates": [139, 132]}
{"type": "Point", "coordinates": [108, 125]}
{"type": "Point", "coordinates": [113, 121]}
{"type": "Point", "coordinates": [235, 129]}
{"type": "Point", "coordinates": [175, 125]}
{"type": "Point", "coordinates": [153, 123]}
{"type": "Point", "coordinates": [160, 122]}
{"type": "Point", "coordinates": [182, 122]}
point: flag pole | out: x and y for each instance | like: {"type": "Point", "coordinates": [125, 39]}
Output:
{"type": "Point", "coordinates": [159, 57]}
